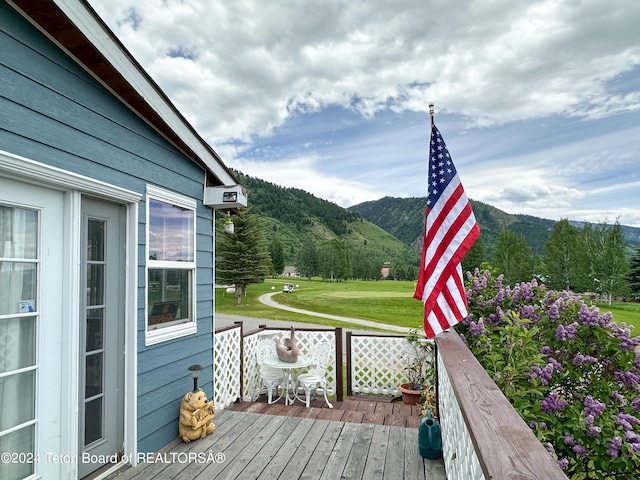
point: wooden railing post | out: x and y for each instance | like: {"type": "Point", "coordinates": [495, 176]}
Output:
{"type": "Point", "coordinates": [339, 376]}
{"type": "Point", "coordinates": [349, 389]}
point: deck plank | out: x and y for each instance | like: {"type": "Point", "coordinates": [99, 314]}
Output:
{"type": "Point", "coordinates": [261, 446]}
{"type": "Point", "coordinates": [395, 454]}
{"type": "Point", "coordinates": [359, 451]}
{"type": "Point", "coordinates": [323, 451]}
{"type": "Point", "coordinates": [286, 450]}
{"type": "Point", "coordinates": [305, 450]}
{"type": "Point", "coordinates": [244, 449]}
{"type": "Point", "coordinates": [337, 460]}
{"type": "Point", "coordinates": [374, 466]}
{"type": "Point", "coordinates": [266, 455]}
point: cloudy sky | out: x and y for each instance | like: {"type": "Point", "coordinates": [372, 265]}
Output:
{"type": "Point", "coordinates": [537, 100]}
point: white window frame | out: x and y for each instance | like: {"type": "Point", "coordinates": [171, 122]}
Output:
{"type": "Point", "coordinates": [170, 332]}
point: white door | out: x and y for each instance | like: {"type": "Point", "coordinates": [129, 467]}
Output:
{"type": "Point", "coordinates": [102, 300]}
{"type": "Point", "coordinates": [31, 293]}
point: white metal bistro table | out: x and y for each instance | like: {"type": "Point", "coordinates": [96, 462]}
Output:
{"type": "Point", "coordinates": [288, 368]}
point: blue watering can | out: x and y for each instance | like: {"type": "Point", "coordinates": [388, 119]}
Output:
{"type": "Point", "coordinates": [429, 438]}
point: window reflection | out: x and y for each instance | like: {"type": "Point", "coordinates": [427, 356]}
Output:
{"type": "Point", "coordinates": [171, 232]}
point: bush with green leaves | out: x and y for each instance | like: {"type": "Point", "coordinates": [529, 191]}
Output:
{"type": "Point", "coordinates": [571, 373]}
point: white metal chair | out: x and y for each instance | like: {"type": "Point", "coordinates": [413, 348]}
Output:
{"type": "Point", "coordinates": [270, 377]}
{"type": "Point", "coordinates": [315, 379]}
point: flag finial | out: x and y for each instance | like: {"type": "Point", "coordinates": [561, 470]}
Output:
{"type": "Point", "coordinates": [431, 112]}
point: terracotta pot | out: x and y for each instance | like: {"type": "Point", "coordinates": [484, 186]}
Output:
{"type": "Point", "coordinates": [410, 395]}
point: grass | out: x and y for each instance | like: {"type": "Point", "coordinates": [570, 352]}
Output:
{"type": "Point", "coordinates": [388, 302]}
{"type": "Point", "coordinates": [626, 312]}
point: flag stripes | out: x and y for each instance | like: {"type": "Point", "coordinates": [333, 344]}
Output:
{"type": "Point", "coordinates": [450, 230]}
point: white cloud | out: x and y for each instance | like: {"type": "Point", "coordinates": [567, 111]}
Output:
{"type": "Point", "coordinates": [248, 73]}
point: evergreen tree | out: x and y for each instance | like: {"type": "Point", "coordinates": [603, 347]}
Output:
{"type": "Point", "coordinates": [276, 251]}
{"type": "Point", "coordinates": [634, 274]}
{"type": "Point", "coordinates": [475, 256]}
{"type": "Point", "coordinates": [513, 257]}
{"type": "Point", "coordinates": [565, 257]}
{"type": "Point", "coordinates": [242, 258]}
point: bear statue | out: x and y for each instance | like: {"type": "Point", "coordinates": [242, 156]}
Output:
{"type": "Point", "coordinates": [196, 416]}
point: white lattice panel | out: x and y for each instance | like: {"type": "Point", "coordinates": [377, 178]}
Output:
{"type": "Point", "coordinates": [251, 373]}
{"type": "Point", "coordinates": [378, 364]}
{"type": "Point", "coordinates": [305, 340]}
{"type": "Point", "coordinates": [226, 367]}
{"type": "Point", "coordinates": [460, 458]}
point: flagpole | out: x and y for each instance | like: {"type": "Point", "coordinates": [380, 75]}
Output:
{"type": "Point", "coordinates": [431, 112]}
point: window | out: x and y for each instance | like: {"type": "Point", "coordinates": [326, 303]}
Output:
{"type": "Point", "coordinates": [171, 266]}
{"type": "Point", "coordinates": [19, 265]}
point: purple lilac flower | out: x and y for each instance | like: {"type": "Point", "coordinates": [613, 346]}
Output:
{"type": "Point", "coordinates": [563, 463]}
{"type": "Point", "coordinates": [579, 450]}
{"type": "Point", "coordinates": [593, 407]}
{"type": "Point", "coordinates": [635, 403]}
{"type": "Point", "coordinates": [613, 447]}
{"type": "Point", "coordinates": [630, 379]}
{"type": "Point", "coordinates": [627, 421]}
{"type": "Point", "coordinates": [546, 373]}
{"type": "Point", "coordinates": [561, 335]}
{"type": "Point", "coordinates": [581, 360]}
{"type": "Point", "coordinates": [553, 403]}
{"type": "Point", "coordinates": [589, 316]}
{"type": "Point", "coordinates": [616, 396]}
{"type": "Point", "coordinates": [554, 313]}
{"type": "Point", "coordinates": [569, 440]}
{"type": "Point", "coordinates": [594, 430]}
{"type": "Point", "coordinates": [546, 350]}
{"type": "Point", "coordinates": [557, 366]}
{"type": "Point", "coordinates": [477, 328]}
{"type": "Point", "coordinates": [631, 437]}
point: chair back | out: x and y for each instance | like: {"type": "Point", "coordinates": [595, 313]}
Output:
{"type": "Point", "coordinates": [266, 348]}
{"type": "Point", "coordinates": [320, 354]}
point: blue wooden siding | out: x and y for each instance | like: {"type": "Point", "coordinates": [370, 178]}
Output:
{"type": "Point", "coordinates": [54, 112]}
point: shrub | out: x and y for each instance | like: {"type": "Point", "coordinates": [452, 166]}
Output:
{"type": "Point", "coordinates": [571, 373]}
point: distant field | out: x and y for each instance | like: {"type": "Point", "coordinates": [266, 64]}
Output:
{"type": "Point", "coordinates": [384, 301]}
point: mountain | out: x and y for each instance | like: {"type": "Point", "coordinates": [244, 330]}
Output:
{"type": "Point", "coordinates": [385, 230]}
{"type": "Point", "coordinates": [403, 218]}
{"type": "Point", "coordinates": [296, 217]}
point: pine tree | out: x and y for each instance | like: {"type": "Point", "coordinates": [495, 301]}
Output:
{"type": "Point", "coordinates": [634, 274]}
{"type": "Point", "coordinates": [513, 257]}
{"type": "Point", "coordinates": [242, 258]}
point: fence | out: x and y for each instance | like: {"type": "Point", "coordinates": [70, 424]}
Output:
{"type": "Point", "coordinates": [236, 369]}
{"type": "Point", "coordinates": [483, 436]}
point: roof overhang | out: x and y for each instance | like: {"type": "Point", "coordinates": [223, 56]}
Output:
{"type": "Point", "coordinates": [77, 28]}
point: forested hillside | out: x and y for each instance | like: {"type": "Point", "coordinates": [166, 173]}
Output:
{"type": "Point", "coordinates": [298, 219]}
{"type": "Point", "coordinates": [377, 234]}
{"type": "Point", "coordinates": [403, 217]}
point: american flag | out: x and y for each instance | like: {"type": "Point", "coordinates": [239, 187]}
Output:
{"type": "Point", "coordinates": [449, 232]}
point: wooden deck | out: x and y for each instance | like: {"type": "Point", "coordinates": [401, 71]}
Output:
{"type": "Point", "coordinates": [357, 439]}
{"type": "Point", "coordinates": [354, 409]}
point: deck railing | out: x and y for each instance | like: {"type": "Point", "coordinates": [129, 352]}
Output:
{"type": "Point", "coordinates": [483, 436]}
{"type": "Point", "coordinates": [236, 369]}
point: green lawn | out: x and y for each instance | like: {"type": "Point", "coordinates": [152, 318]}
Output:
{"type": "Point", "coordinates": [384, 301]}
{"type": "Point", "coordinates": [626, 312]}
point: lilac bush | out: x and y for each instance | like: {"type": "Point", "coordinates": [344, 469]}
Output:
{"type": "Point", "coordinates": [572, 373]}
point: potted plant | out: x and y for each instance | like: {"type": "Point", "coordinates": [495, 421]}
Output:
{"type": "Point", "coordinates": [419, 368]}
